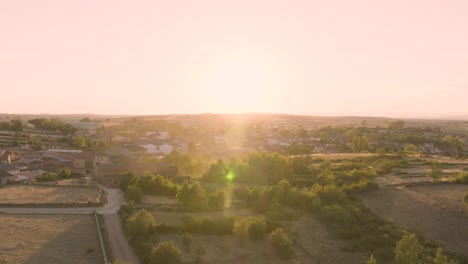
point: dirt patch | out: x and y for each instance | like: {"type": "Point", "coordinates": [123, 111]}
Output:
{"type": "Point", "coordinates": [318, 247]}
{"type": "Point", "coordinates": [49, 239]}
{"type": "Point", "coordinates": [34, 194]}
{"type": "Point", "coordinates": [436, 212]}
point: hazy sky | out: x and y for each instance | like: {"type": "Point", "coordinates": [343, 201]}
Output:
{"type": "Point", "coordinates": [303, 57]}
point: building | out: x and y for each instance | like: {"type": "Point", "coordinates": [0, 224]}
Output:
{"type": "Point", "coordinates": [5, 157]}
{"type": "Point", "coordinates": [6, 177]}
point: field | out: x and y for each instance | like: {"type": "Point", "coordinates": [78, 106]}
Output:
{"type": "Point", "coordinates": [313, 243]}
{"type": "Point", "coordinates": [22, 194]}
{"type": "Point", "coordinates": [436, 212]}
{"type": "Point", "coordinates": [49, 239]}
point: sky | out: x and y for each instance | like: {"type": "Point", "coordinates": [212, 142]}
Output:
{"type": "Point", "coordinates": [322, 57]}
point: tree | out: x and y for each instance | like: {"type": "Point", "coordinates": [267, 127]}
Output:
{"type": "Point", "coordinates": [253, 227]}
{"type": "Point", "coordinates": [360, 143]}
{"type": "Point", "coordinates": [133, 193]}
{"type": "Point", "coordinates": [435, 172]}
{"type": "Point", "coordinates": [281, 243]}
{"type": "Point", "coordinates": [215, 200]}
{"type": "Point", "coordinates": [141, 224]}
{"type": "Point", "coordinates": [372, 260]}
{"type": "Point", "coordinates": [399, 124]}
{"type": "Point", "coordinates": [65, 173]}
{"type": "Point", "coordinates": [124, 180]}
{"type": "Point", "coordinates": [78, 142]}
{"type": "Point", "coordinates": [409, 251]}
{"type": "Point", "coordinates": [192, 196]}
{"type": "Point", "coordinates": [166, 253]}
{"type": "Point", "coordinates": [441, 258]}
{"type": "Point", "coordinates": [411, 149]}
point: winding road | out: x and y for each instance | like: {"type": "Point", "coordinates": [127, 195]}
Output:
{"type": "Point", "coordinates": [121, 250]}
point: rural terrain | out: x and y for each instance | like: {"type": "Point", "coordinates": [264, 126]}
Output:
{"type": "Point", "coordinates": [232, 188]}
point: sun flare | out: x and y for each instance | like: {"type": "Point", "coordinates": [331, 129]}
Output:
{"type": "Point", "coordinates": [240, 83]}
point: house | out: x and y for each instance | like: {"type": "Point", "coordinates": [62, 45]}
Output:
{"type": "Point", "coordinates": [57, 146]}
{"type": "Point", "coordinates": [163, 149]}
{"type": "Point", "coordinates": [163, 135]}
{"type": "Point", "coordinates": [7, 173]}
{"type": "Point", "coordinates": [118, 151]}
{"type": "Point", "coordinates": [5, 157]}
{"type": "Point", "coordinates": [6, 177]}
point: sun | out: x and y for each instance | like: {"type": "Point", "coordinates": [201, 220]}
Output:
{"type": "Point", "coordinates": [240, 84]}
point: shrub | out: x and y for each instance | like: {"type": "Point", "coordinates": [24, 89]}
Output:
{"type": "Point", "coordinates": [462, 177]}
{"type": "Point", "coordinates": [141, 224]}
{"type": "Point", "coordinates": [409, 251]}
{"type": "Point", "coordinates": [372, 260]}
{"type": "Point", "coordinates": [441, 258]}
{"type": "Point", "coordinates": [336, 214]}
{"type": "Point", "coordinates": [253, 227]}
{"type": "Point", "coordinates": [281, 243]}
{"type": "Point", "coordinates": [166, 253]}
{"type": "Point", "coordinates": [46, 177]}
{"type": "Point", "coordinates": [186, 240]}
{"type": "Point", "coordinates": [192, 196]}
{"type": "Point", "coordinates": [215, 200]}
{"type": "Point", "coordinates": [219, 226]}
{"type": "Point", "coordinates": [134, 194]}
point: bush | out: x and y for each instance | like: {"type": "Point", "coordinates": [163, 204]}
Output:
{"type": "Point", "coordinates": [134, 194]}
{"type": "Point", "coordinates": [409, 251]}
{"type": "Point", "coordinates": [186, 240]}
{"type": "Point", "coordinates": [141, 224]}
{"type": "Point", "coordinates": [253, 227]}
{"type": "Point", "coordinates": [45, 177]}
{"type": "Point", "coordinates": [166, 253]}
{"type": "Point", "coordinates": [219, 226]}
{"type": "Point", "coordinates": [192, 196]}
{"type": "Point", "coordinates": [281, 243]}
{"type": "Point", "coordinates": [462, 177]}
{"type": "Point", "coordinates": [215, 200]}
{"type": "Point", "coordinates": [336, 214]}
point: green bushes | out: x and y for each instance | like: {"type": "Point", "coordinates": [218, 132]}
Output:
{"type": "Point", "coordinates": [45, 177]}
{"type": "Point", "coordinates": [194, 198]}
{"type": "Point", "coordinates": [409, 251]}
{"type": "Point", "coordinates": [281, 243]}
{"type": "Point", "coordinates": [462, 177]}
{"type": "Point", "coordinates": [166, 253]}
{"type": "Point", "coordinates": [252, 227]}
{"type": "Point", "coordinates": [136, 186]}
{"type": "Point", "coordinates": [133, 193]}
{"type": "Point", "coordinates": [141, 224]}
{"type": "Point", "coordinates": [216, 226]}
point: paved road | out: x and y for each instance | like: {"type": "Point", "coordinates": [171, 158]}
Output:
{"type": "Point", "coordinates": [118, 242]}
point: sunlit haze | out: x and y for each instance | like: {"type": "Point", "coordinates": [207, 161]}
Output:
{"type": "Point", "coordinates": [300, 57]}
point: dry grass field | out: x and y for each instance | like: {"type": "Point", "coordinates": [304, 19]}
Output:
{"type": "Point", "coordinates": [49, 239]}
{"type": "Point", "coordinates": [47, 194]}
{"type": "Point", "coordinates": [313, 243]}
{"type": "Point", "coordinates": [436, 212]}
